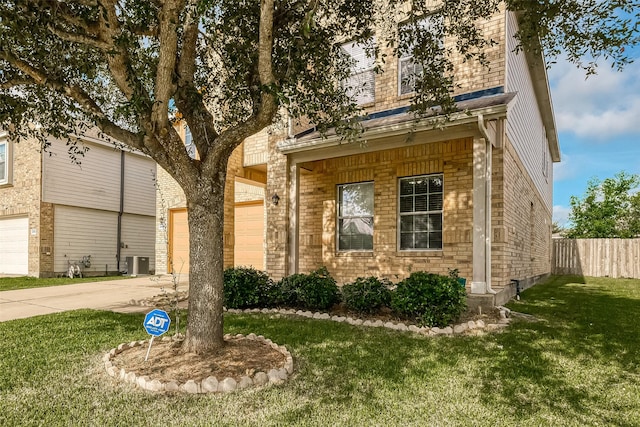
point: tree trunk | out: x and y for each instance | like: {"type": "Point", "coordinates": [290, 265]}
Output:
{"type": "Point", "coordinates": [206, 268]}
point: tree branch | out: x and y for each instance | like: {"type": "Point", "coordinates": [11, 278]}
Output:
{"type": "Point", "coordinates": [79, 38]}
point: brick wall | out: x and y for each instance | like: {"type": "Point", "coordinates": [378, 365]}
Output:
{"type": "Point", "coordinates": [318, 211]}
{"type": "Point", "coordinates": [23, 196]}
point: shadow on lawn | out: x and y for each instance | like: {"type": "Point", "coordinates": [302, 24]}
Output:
{"type": "Point", "coordinates": [585, 328]}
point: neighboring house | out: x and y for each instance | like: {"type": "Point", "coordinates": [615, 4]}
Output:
{"type": "Point", "coordinates": [54, 213]}
{"type": "Point", "coordinates": [474, 194]}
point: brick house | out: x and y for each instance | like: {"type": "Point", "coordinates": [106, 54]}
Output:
{"type": "Point", "coordinates": [474, 194]}
{"type": "Point", "coordinates": [54, 212]}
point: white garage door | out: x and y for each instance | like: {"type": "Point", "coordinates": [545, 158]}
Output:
{"type": "Point", "coordinates": [14, 246]}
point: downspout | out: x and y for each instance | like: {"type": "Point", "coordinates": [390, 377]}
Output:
{"type": "Point", "coordinates": [489, 141]}
{"type": "Point", "coordinates": [119, 236]}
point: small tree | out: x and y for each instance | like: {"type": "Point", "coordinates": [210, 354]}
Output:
{"type": "Point", "coordinates": [608, 209]}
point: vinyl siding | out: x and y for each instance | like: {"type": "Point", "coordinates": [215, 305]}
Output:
{"type": "Point", "coordinates": [95, 183]}
{"type": "Point", "coordinates": [525, 129]}
{"type": "Point", "coordinates": [139, 189]}
{"type": "Point", "coordinates": [79, 232]}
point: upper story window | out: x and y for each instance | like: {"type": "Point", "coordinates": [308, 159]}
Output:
{"type": "Point", "coordinates": [408, 69]}
{"type": "Point", "coordinates": [188, 143]}
{"type": "Point", "coordinates": [360, 86]}
{"type": "Point", "coordinates": [420, 216]}
{"type": "Point", "coordinates": [355, 217]}
{"type": "Point", "coordinates": [5, 164]}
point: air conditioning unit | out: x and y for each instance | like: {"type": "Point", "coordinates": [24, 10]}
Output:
{"type": "Point", "coordinates": [137, 265]}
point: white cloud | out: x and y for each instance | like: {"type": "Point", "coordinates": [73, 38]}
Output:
{"type": "Point", "coordinates": [565, 169]}
{"type": "Point", "coordinates": [561, 215]}
{"type": "Point", "coordinates": [598, 107]}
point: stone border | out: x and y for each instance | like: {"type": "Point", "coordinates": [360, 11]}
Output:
{"type": "Point", "coordinates": [477, 325]}
{"type": "Point", "coordinates": [208, 385]}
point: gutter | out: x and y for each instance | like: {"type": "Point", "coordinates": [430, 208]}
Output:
{"type": "Point", "coordinates": [120, 212]}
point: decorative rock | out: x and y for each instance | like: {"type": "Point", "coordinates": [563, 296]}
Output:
{"type": "Point", "coordinates": [448, 330]}
{"type": "Point", "coordinates": [307, 314]}
{"type": "Point", "coordinates": [245, 382]}
{"type": "Point", "coordinates": [171, 386]}
{"type": "Point", "coordinates": [480, 323]}
{"type": "Point", "coordinates": [154, 385]}
{"type": "Point", "coordinates": [190, 387]}
{"type": "Point", "coordinates": [112, 352]}
{"type": "Point", "coordinates": [402, 327]}
{"type": "Point", "coordinates": [471, 324]}
{"type": "Point", "coordinates": [504, 321]}
{"type": "Point", "coordinates": [260, 378]}
{"type": "Point", "coordinates": [390, 325]}
{"type": "Point", "coordinates": [275, 376]}
{"type": "Point", "coordinates": [268, 341]}
{"type": "Point", "coordinates": [340, 319]}
{"type": "Point", "coordinates": [227, 385]}
{"type": "Point", "coordinates": [108, 364]}
{"type": "Point", "coordinates": [165, 339]}
{"type": "Point", "coordinates": [288, 366]}
{"type": "Point", "coordinates": [209, 385]}
{"type": "Point", "coordinates": [503, 314]}
{"type": "Point", "coordinates": [239, 336]}
{"type": "Point", "coordinates": [414, 328]}
{"type": "Point", "coordinates": [316, 315]}
{"type": "Point", "coordinates": [142, 382]}
{"type": "Point", "coordinates": [265, 310]}
{"type": "Point", "coordinates": [112, 371]}
{"type": "Point", "coordinates": [324, 316]}
{"type": "Point", "coordinates": [300, 313]}
{"type": "Point", "coordinates": [377, 324]}
{"type": "Point", "coordinates": [251, 336]}
{"type": "Point", "coordinates": [358, 322]}
{"type": "Point", "coordinates": [366, 323]}
{"type": "Point", "coordinates": [130, 377]}
{"type": "Point", "coordinates": [282, 373]}
{"type": "Point", "coordinates": [123, 374]}
{"type": "Point", "coordinates": [133, 344]}
{"type": "Point", "coordinates": [458, 329]}
{"type": "Point", "coordinates": [122, 347]}
{"type": "Point", "coordinates": [227, 336]}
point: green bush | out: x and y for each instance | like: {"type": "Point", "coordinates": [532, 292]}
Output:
{"type": "Point", "coordinates": [314, 291]}
{"type": "Point", "coordinates": [432, 299]}
{"type": "Point", "coordinates": [366, 295]}
{"type": "Point", "coordinates": [246, 287]}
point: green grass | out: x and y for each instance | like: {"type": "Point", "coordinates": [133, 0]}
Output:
{"type": "Point", "coordinates": [25, 282]}
{"type": "Point", "coordinates": [577, 366]}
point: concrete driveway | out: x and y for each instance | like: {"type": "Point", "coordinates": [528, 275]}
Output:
{"type": "Point", "coordinates": [117, 295]}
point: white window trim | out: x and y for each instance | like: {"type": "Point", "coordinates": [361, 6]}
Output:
{"type": "Point", "coordinates": [7, 178]}
{"type": "Point", "coordinates": [370, 69]}
{"type": "Point", "coordinates": [409, 57]}
{"type": "Point", "coordinates": [400, 215]}
{"type": "Point", "coordinates": [338, 218]}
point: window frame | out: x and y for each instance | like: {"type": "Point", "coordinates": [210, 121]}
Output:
{"type": "Point", "coordinates": [340, 217]}
{"type": "Point", "coordinates": [426, 213]}
{"type": "Point", "coordinates": [6, 179]}
{"type": "Point", "coordinates": [354, 70]}
{"type": "Point", "coordinates": [425, 21]}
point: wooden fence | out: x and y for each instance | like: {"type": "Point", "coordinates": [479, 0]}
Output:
{"type": "Point", "coordinates": [597, 257]}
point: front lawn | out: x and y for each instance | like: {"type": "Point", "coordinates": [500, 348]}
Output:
{"type": "Point", "coordinates": [577, 365]}
{"type": "Point", "coordinates": [25, 282]}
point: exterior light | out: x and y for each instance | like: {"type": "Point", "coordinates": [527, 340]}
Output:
{"type": "Point", "coordinates": [275, 199]}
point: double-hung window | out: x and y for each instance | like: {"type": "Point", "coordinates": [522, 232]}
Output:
{"type": "Point", "coordinates": [4, 161]}
{"type": "Point", "coordinates": [360, 85]}
{"type": "Point", "coordinates": [420, 212]}
{"type": "Point", "coordinates": [355, 217]}
{"type": "Point", "coordinates": [408, 69]}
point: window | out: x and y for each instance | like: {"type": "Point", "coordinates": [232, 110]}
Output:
{"type": "Point", "coordinates": [408, 69]}
{"type": "Point", "coordinates": [5, 177]}
{"type": "Point", "coordinates": [361, 84]}
{"type": "Point", "coordinates": [420, 206]}
{"type": "Point", "coordinates": [355, 217]}
{"type": "Point", "coordinates": [188, 143]}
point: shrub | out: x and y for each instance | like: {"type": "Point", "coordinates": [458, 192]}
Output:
{"type": "Point", "coordinates": [246, 287]}
{"type": "Point", "coordinates": [366, 295]}
{"type": "Point", "coordinates": [432, 299]}
{"type": "Point", "coordinates": [315, 291]}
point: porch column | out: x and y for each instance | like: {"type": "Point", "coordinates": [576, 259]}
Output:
{"type": "Point", "coordinates": [293, 261]}
{"type": "Point", "coordinates": [481, 281]}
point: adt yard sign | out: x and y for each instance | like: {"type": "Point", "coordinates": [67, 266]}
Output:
{"type": "Point", "coordinates": [157, 322]}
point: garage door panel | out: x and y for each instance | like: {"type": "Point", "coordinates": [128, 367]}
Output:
{"type": "Point", "coordinates": [249, 235]}
{"type": "Point", "coordinates": [14, 245]}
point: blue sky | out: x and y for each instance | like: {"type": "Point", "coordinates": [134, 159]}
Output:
{"type": "Point", "coordinates": [598, 121]}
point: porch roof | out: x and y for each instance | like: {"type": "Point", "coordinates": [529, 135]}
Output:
{"type": "Point", "coordinates": [401, 120]}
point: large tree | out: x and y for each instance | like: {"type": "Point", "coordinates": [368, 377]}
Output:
{"type": "Point", "coordinates": [230, 67]}
{"type": "Point", "coordinates": [608, 209]}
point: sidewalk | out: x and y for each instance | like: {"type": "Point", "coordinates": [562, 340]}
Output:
{"type": "Point", "coordinates": [117, 295]}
